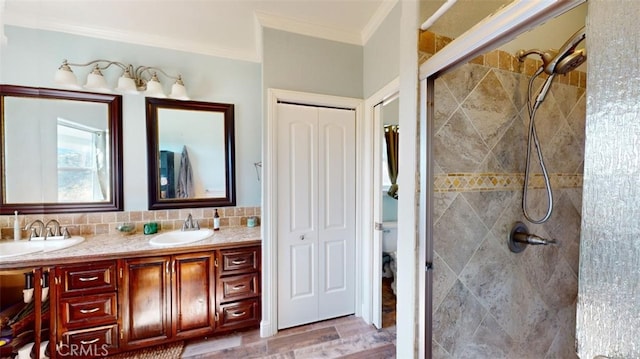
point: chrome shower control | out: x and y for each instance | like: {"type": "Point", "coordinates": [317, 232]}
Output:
{"type": "Point", "coordinates": [520, 237]}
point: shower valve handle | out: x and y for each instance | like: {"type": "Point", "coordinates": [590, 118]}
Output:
{"type": "Point", "coordinates": [520, 237]}
{"type": "Point", "coordinates": [532, 239]}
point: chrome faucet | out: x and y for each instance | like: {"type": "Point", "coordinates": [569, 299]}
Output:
{"type": "Point", "coordinates": [190, 225]}
{"type": "Point", "coordinates": [53, 230]}
{"type": "Point", "coordinates": [33, 232]}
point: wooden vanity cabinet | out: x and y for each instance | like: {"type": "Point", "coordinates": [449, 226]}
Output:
{"type": "Point", "coordinates": [87, 310]}
{"type": "Point", "coordinates": [167, 298]}
{"type": "Point", "coordinates": [238, 284]}
{"type": "Point", "coordinates": [109, 306]}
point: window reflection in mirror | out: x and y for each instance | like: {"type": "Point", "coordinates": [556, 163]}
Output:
{"type": "Point", "coordinates": [61, 151]}
{"type": "Point", "coordinates": [56, 151]}
{"type": "Point", "coordinates": [190, 153]}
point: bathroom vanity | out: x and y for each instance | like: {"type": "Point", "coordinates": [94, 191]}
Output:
{"type": "Point", "coordinates": [117, 293]}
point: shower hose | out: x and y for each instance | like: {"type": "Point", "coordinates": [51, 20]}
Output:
{"type": "Point", "coordinates": [532, 135]}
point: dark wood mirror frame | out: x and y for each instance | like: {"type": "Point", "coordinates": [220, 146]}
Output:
{"type": "Point", "coordinates": [114, 106]}
{"type": "Point", "coordinates": [153, 154]}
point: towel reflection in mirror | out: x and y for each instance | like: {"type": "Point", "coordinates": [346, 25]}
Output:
{"type": "Point", "coordinates": [185, 188]}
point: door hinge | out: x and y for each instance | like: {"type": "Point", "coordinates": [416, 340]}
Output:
{"type": "Point", "coordinates": [428, 267]}
{"type": "Point", "coordinates": [120, 273]}
{"type": "Point", "coordinates": [122, 334]}
{"type": "Point", "coordinates": [215, 264]}
{"type": "Point", "coordinates": [378, 226]}
{"type": "Point", "coordinates": [57, 280]}
{"type": "Point", "coordinates": [216, 317]}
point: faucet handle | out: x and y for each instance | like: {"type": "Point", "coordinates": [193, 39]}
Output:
{"type": "Point", "coordinates": [33, 233]}
{"type": "Point", "coordinates": [197, 225]}
{"type": "Point", "coordinates": [65, 233]}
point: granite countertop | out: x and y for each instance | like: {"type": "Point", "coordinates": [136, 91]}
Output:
{"type": "Point", "coordinates": [115, 246]}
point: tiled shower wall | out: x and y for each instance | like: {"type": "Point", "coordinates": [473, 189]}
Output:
{"type": "Point", "coordinates": [106, 222]}
{"type": "Point", "coordinates": [489, 302]}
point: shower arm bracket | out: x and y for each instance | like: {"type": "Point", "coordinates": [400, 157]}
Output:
{"type": "Point", "coordinates": [520, 237]}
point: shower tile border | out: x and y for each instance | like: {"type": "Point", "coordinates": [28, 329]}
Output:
{"type": "Point", "coordinates": [486, 182]}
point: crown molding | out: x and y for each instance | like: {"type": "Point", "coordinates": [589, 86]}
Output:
{"type": "Point", "coordinates": [376, 20]}
{"type": "Point", "coordinates": [131, 37]}
{"type": "Point", "coordinates": [305, 28]}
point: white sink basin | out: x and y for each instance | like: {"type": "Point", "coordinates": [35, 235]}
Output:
{"type": "Point", "coordinates": [19, 248]}
{"type": "Point", "coordinates": [175, 238]}
{"type": "Point", "coordinates": [57, 244]}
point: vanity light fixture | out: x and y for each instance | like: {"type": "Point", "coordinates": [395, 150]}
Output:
{"type": "Point", "coordinates": [133, 80]}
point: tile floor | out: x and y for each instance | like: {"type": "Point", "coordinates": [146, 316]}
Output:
{"type": "Point", "coordinates": [345, 337]}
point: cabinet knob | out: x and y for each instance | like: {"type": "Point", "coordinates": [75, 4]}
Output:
{"type": "Point", "coordinates": [302, 237]}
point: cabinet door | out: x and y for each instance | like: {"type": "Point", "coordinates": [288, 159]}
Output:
{"type": "Point", "coordinates": [194, 296]}
{"type": "Point", "coordinates": [146, 301]}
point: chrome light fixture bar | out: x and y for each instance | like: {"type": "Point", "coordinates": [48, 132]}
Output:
{"type": "Point", "coordinates": [133, 80]}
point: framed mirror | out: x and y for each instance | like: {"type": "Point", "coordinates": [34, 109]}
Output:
{"type": "Point", "coordinates": [190, 153]}
{"type": "Point", "coordinates": [61, 151]}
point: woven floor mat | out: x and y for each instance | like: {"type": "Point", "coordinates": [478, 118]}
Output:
{"type": "Point", "coordinates": [164, 351]}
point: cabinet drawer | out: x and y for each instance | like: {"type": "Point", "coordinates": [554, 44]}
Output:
{"type": "Point", "coordinates": [238, 315]}
{"type": "Point", "coordinates": [239, 287]}
{"type": "Point", "coordinates": [95, 342]}
{"type": "Point", "coordinates": [236, 261]}
{"type": "Point", "coordinates": [98, 277]}
{"type": "Point", "coordinates": [94, 310]}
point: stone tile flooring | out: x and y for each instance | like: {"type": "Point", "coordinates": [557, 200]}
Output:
{"type": "Point", "coordinates": [345, 337]}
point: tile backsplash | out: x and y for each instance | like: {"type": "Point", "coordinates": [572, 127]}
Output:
{"type": "Point", "coordinates": [105, 222]}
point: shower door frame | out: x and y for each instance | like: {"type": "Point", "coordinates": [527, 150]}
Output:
{"type": "Point", "coordinates": [493, 31]}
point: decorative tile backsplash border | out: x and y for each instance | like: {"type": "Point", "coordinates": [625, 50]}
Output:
{"type": "Point", "coordinates": [430, 43]}
{"type": "Point", "coordinates": [105, 222]}
{"type": "Point", "coordinates": [479, 182]}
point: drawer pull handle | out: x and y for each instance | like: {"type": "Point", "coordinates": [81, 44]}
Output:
{"type": "Point", "coordinates": [238, 314]}
{"type": "Point", "coordinates": [87, 279]}
{"type": "Point", "coordinates": [239, 286]}
{"type": "Point", "coordinates": [87, 311]}
{"type": "Point", "coordinates": [86, 342]}
{"type": "Point", "coordinates": [238, 261]}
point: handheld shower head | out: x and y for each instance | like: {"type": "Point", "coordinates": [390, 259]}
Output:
{"type": "Point", "coordinates": [567, 58]}
{"type": "Point", "coordinates": [563, 60]}
{"type": "Point", "coordinates": [571, 61]}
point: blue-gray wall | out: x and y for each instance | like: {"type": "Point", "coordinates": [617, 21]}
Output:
{"type": "Point", "coordinates": [382, 54]}
{"type": "Point", "coordinates": [31, 58]}
{"type": "Point", "coordinates": [308, 64]}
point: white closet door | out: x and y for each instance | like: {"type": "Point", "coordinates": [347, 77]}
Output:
{"type": "Point", "coordinates": [297, 215]}
{"type": "Point", "coordinates": [316, 214]}
{"type": "Point", "coordinates": [336, 212]}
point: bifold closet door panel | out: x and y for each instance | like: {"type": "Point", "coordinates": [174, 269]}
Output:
{"type": "Point", "coordinates": [297, 215]}
{"type": "Point", "coordinates": [336, 212]}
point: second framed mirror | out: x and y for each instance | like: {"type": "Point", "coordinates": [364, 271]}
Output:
{"type": "Point", "coordinates": [190, 153]}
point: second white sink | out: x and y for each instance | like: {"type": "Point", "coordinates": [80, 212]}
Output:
{"type": "Point", "coordinates": [178, 237]}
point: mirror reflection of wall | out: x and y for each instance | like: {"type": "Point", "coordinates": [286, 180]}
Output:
{"type": "Point", "coordinates": [57, 151]}
{"type": "Point", "coordinates": [199, 137]}
{"type": "Point", "coordinates": [390, 116]}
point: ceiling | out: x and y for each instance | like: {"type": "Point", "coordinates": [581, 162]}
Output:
{"type": "Point", "coordinates": [228, 28]}
{"type": "Point", "coordinates": [225, 28]}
